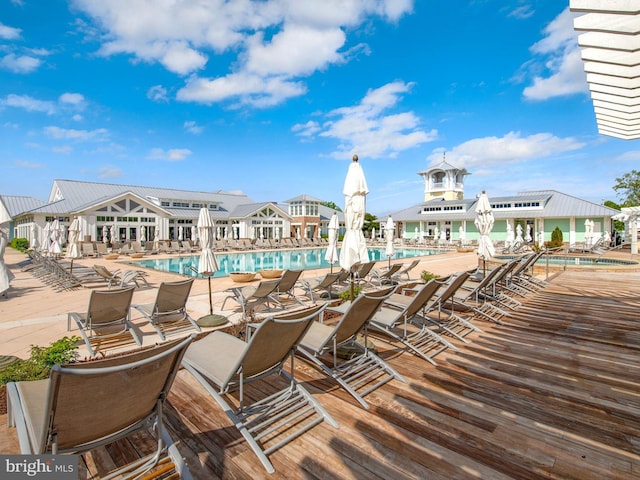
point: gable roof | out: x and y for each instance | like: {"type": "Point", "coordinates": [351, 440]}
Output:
{"type": "Point", "coordinates": [15, 205]}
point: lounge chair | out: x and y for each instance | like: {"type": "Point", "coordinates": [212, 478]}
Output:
{"type": "Point", "coordinates": [320, 284]}
{"type": "Point", "coordinates": [149, 248]}
{"type": "Point", "coordinates": [406, 270]}
{"type": "Point", "coordinates": [252, 296]}
{"type": "Point", "coordinates": [88, 250]}
{"type": "Point", "coordinates": [169, 309]}
{"type": "Point", "coordinates": [124, 279]}
{"type": "Point", "coordinates": [106, 320]}
{"type": "Point", "coordinates": [365, 371]}
{"type": "Point", "coordinates": [287, 285]}
{"type": "Point", "coordinates": [83, 406]}
{"type": "Point", "coordinates": [384, 277]}
{"type": "Point", "coordinates": [223, 363]}
{"type": "Point", "coordinates": [397, 319]}
{"type": "Point", "coordinates": [101, 249]}
{"type": "Point", "coordinates": [363, 272]}
{"type": "Point", "coordinates": [112, 278]}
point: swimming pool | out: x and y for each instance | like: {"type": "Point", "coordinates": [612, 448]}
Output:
{"type": "Point", "coordinates": [298, 259]}
{"type": "Point", "coordinates": [568, 260]}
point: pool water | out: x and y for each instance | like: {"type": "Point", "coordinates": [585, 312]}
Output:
{"type": "Point", "coordinates": [297, 259]}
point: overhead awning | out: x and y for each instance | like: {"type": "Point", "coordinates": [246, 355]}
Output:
{"type": "Point", "coordinates": [610, 47]}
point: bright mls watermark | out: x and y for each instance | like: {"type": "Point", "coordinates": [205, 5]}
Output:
{"type": "Point", "coordinates": [50, 467]}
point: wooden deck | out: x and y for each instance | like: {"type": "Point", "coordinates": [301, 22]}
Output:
{"type": "Point", "coordinates": [552, 393]}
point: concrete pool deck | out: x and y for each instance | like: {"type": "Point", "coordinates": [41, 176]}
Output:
{"type": "Point", "coordinates": [34, 313]}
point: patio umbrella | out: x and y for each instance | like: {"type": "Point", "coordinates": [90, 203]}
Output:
{"type": "Point", "coordinates": [194, 233]}
{"type": "Point", "coordinates": [519, 238]}
{"type": "Point", "coordinates": [443, 235]}
{"type": "Point", "coordinates": [55, 248]}
{"type": "Point", "coordinates": [156, 237]}
{"type": "Point", "coordinates": [508, 243]}
{"type": "Point", "coordinates": [74, 235]}
{"type": "Point", "coordinates": [354, 246]}
{"type": "Point", "coordinates": [207, 265]}
{"type": "Point", "coordinates": [388, 231]}
{"type": "Point", "coordinates": [463, 235]}
{"type": "Point", "coordinates": [436, 234]}
{"type": "Point", "coordinates": [331, 255]}
{"type": "Point", "coordinates": [34, 237]}
{"type": "Point", "coordinates": [105, 235]}
{"type": "Point", "coordinates": [298, 232]}
{"type": "Point", "coordinates": [46, 238]}
{"type": "Point", "coordinates": [143, 234]}
{"type": "Point", "coordinates": [373, 233]}
{"type": "Point", "coordinates": [180, 232]}
{"type": "Point", "coordinates": [529, 236]}
{"type": "Point", "coordinates": [5, 274]}
{"type": "Point", "coordinates": [484, 224]}
{"type": "Point", "coordinates": [114, 234]}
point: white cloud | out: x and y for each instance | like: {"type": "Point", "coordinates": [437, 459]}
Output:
{"type": "Point", "coordinates": [9, 33]}
{"type": "Point", "coordinates": [25, 164]}
{"type": "Point", "coordinates": [57, 133]}
{"type": "Point", "coordinates": [28, 103]}
{"type": "Point", "coordinates": [193, 127]}
{"type": "Point", "coordinates": [75, 99]}
{"type": "Point", "coordinates": [20, 64]}
{"type": "Point", "coordinates": [557, 68]}
{"type": "Point", "coordinates": [109, 172]}
{"type": "Point", "coordinates": [369, 129]}
{"type": "Point", "coordinates": [267, 43]}
{"type": "Point", "coordinates": [157, 93]}
{"type": "Point", "coordinates": [172, 155]}
{"type": "Point", "coordinates": [486, 152]}
{"type": "Point", "coordinates": [62, 149]}
{"type": "Point", "coordinates": [245, 89]}
{"type": "Point", "coordinates": [522, 12]}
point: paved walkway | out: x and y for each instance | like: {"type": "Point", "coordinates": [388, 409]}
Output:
{"type": "Point", "coordinates": [35, 314]}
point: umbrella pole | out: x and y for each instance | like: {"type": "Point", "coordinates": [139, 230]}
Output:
{"type": "Point", "coordinates": [210, 299]}
{"type": "Point", "coordinates": [352, 288]}
{"type": "Point", "coordinates": [71, 267]}
{"type": "Point", "coordinates": [212, 319]}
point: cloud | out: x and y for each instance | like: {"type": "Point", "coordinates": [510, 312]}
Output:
{"type": "Point", "coordinates": [29, 104]}
{"type": "Point", "coordinates": [9, 33]}
{"type": "Point", "coordinates": [57, 133]}
{"type": "Point", "coordinates": [62, 149]}
{"type": "Point", "coordinates": [109, 171]}
{"type": "Point", "coordinates": [557, 67]}
{"type": "Point", "coordinates": [368, 128]}
{"type": "Point", "coordinates": [25, 164]}
{"type": "Point", "coordinates": [172, 155]}
{"type": "Point", "coordinates": [192, 127]}
{"type": "Point", "coordinates": [522, 12]}
{"type": "Point", "coordinates": [158, 93]}
{"type": "Point", "coordinates": [267, 43]}
{"type": "Point", "coordinates": [511, 149]}
{"type": "Point", "coordinates": [75, 99]}
{"type": "Point", "coordinates": [20, 64]}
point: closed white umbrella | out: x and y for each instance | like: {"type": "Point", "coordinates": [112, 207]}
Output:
{"type": "Point", "coordinates": [55, 247]}
{"type": "Point", "coordinates": [331, 255]}
{"type": "Point", "coordinates": [194, 233]}
{"type": "Point", "coordinates": [207, 264]}
{"type": "Point", "coordinates": [156, 238]}
{"type": "Point", "coordinates": [529, 236]}
{"type": "Point", "coordinates": [436, 234]}
{"type": "Point", "coordinates": [143, 234]}
{"type": "Point", "coordinates": [5, 274]}
{"type": "Point", "coordinates": [105, 235]}
{"type": "Point", "coordinates": [519, 238]}
{"type": "Point", "coordinates": [46, 237]}
{"type": "Point", "coordinates": [34, 237]}
{"type": "Point", "coordinates": [354, 246]}
{"type": "Point", "coordinates": [463, 235]}
{"type": "Point", "coordinates": [74, 236]}
{"type": "Point", "coordinates": [389, 229]}
{"type": "Point", "coordinates": [443, 235]}
{"type": "Point", "coordinates": [373, 233]}
{"type": "Point", "coordinates": [484, 223]}
{"type": "Point", "coordinates": [114, 234]}
{"type": "Point", "coordinates": [180, 232]}
{"type": "Point", "coordinates": [508, 243]}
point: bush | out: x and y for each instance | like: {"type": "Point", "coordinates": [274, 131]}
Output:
{"type": "Point", "coordinates": [556, 239]}
{"type": "Point", "coordinates": [426, 276]}
{"type": "Point", "coordinates": [346, 294]}
{"type": "Point", "coordinates": [21, 244]}
{"type": "Point", "coordinates": [39, 364]}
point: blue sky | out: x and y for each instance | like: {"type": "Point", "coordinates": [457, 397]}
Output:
{"type": "Point", "coordinates": [273, 97]}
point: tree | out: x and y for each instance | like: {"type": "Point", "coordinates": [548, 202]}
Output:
{"type": "Point", "coordinates": [370, 222]}
{"type": "Point", "coordinates": [628, 188]}
{"type": "Point", "coordinates": [617, 224]}
{"type": "Point", "coordinates": [332, 205]}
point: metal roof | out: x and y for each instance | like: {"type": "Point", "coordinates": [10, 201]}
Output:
{"type": "Point", "coordinates": [553, 204]}
{"type": "Point", "coordinates": [16, 205]}
{"type": "Point", "coordinates": [610, 45]}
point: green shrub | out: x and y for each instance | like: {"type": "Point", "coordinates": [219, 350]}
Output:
{"type": "Point", "coordinates": [426, 276]}
{"type": "Point", "coordinates": [39, 364]}
{"type": "Point", "coordinates": [21, 244]}
{"type": "Point", "coordinates": [556, 238]}
{"type": "Point", "coordinates": [346, 294]}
